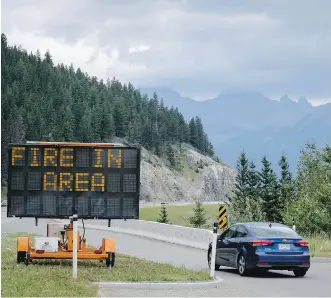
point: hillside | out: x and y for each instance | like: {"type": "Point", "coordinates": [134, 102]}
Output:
{"type": "Point", "coordinates": [253, 122]}
{"type": "Point", "coordinates": [200, 178]}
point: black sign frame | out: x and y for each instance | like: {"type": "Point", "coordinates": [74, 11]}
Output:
{"type": "Point", "coordinates": [134, 214]}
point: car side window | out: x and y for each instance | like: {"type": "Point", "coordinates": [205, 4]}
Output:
{"type": "Point", "coordinates": [230, 232]}
{"type": "Point", "coordinates": [223, 235]}
{"type": "Point", "coordinates": [241, 232]}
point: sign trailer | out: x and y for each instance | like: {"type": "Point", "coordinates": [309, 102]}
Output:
{"type": "Point", "coordinates": [71, 181]}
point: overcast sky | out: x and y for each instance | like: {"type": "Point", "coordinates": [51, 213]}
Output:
{"type": "Point", "coordinates": [197, 47]}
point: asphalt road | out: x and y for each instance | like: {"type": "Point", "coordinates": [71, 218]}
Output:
{"type": "Point", "coordinates": [316, 283]}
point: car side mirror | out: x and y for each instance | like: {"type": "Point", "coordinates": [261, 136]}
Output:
{"type": "Point", "coordinates": [221, 238]}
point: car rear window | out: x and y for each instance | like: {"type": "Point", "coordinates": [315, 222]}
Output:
{"type": "Point", "coordinates": [274, 231]}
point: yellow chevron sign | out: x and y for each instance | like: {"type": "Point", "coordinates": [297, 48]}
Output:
{"type": "Point", "coordinates": [222, 217]}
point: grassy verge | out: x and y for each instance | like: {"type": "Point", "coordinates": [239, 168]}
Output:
{"type": "Point", "coordinates": [178, 215]}
{"type": "Point", "coordinates": [320, 246]}
{"type": "Point", "coordinates": [51, 278]}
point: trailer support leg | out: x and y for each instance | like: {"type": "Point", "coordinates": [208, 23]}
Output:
{"type": "Point", "coordinates": [74, 246]}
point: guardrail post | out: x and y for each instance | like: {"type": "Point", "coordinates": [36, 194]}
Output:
{"type": "Point", "coordinates": [213, 251]}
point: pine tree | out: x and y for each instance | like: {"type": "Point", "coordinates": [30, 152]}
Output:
{"type": "Point", "coordinates": [253, 210]}
{"type": "Point", "coordinates": [198, 219]}
{"type": "Point", "coordinates": [253, 181]}
{"type": "Point", "coordinates": [68, 133]}
{"type": "Point", "coordinates": [96, 119]}
{"type": "Point", "coordinates": [270, 192]}
{"type": "Point", "coordinates": [163, 215]}
{"type": "Point", "coordinates": [286, 184]}
{"type": "Point", "coordinates": [246, 202]}
{"type": "Point", "coordinates": [326, 156]}
{"type": "Point", "coordinates": [183, 131]}
{"type": "Point", "coordinates": [241, 181]}
{"type": "Point", "coordinates": [193, 133]}
{"type": "Point", "coordinates": [171, 156]}
{"type": "Point", "coordinates": [86, 127]}
{"type": "Point", "coordinates": [48, 57]}
{"type": "Point", "coordinates": [210, 149]}
{"type": "Point", "coordinates": [120, 120]}
{"type": "Point", "coordinates": [158, 151]}
{"type": "Point", "coordinates": [201, 142]}
{"type": "Point", "coordinates": [107, 124]}
{"type": "Point", "coordinates": [147, 135]}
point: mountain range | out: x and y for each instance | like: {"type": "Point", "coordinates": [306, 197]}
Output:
{"type": "Point", "coordinates": [254, 123]}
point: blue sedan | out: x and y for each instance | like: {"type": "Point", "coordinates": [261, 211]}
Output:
{"type": "Point", "coordinates": [260, 246]}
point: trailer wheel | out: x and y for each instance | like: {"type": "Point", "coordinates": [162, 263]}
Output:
{"type": "Point", "coordinates": [20, 256]}
{"type": "Point", "coordinates": [26, 258]}
{"type": "Point", "coordinates": [23, 257]}
{"type": "Point", "coordinates": [110, 262]}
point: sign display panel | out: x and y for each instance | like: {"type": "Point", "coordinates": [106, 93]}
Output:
{"type": "Point", "coordinates": [54, 181]}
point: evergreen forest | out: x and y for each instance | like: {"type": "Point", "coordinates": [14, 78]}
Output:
{"type": "Point", "coordinates": [46, 102]}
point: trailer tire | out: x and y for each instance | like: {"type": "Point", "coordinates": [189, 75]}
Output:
{"type": "Point", "coordinates": [26, 258]}
{"type": "Point", "coordinates": [20, 256]}
{"type": "Point", "coordinates": [23, 257]}
{"type": "Point", "coordinates": [110, 262]}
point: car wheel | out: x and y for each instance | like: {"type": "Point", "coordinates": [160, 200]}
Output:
{"type": "Point", "coordinates": [241, 265]}
{"type": "Point", "coordinates": [209, 261]}
{"type": "Point", "coordinates": [300, 272]}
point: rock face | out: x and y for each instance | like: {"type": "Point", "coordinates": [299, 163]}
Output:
{"type": "Point", "coordinates": [201, 178]}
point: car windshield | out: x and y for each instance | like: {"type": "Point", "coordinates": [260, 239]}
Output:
{"type": "Point", "coordinates": [274, 231]}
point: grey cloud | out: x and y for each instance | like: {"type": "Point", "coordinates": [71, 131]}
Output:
{"type": "Point", "coordinates": [197, 46]}
{"type": "Point", "coordinates": [93, 57]}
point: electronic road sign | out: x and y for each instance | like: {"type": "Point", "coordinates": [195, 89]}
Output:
{"type": "Point", "coordinates": [57, 180]}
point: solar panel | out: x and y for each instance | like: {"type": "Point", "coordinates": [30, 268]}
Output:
{"type": "Point", "coordinates": [59, 180]}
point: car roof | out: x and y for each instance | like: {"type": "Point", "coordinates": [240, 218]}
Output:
{"type": "Point", "coordinates": [259, 224]}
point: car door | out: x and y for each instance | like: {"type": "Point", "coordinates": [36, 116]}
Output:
{"type": "Point", "coordinates": [222, 247]}
{"type": "Point", "coordinates": [235, 244]}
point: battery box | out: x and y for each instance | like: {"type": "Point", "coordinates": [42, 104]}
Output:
{"type": "Point", "coordinates": [47, 244]}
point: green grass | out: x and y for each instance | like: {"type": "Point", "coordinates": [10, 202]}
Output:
{"type": "Point", "coordinates": [320, 246]}
{"type": "Point", "coordinates": [178, 215]}
{"type": "Point", "coordinates": [51, 278]}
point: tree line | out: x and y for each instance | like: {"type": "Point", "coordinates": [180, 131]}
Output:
{"type": "Point", "coordinates": [303, 199]}
{"type": "Point", "coordinates": [41, 101]}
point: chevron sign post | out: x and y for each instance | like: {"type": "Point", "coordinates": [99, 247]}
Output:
{"type": "Point", "coordinates": [222, 216]}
